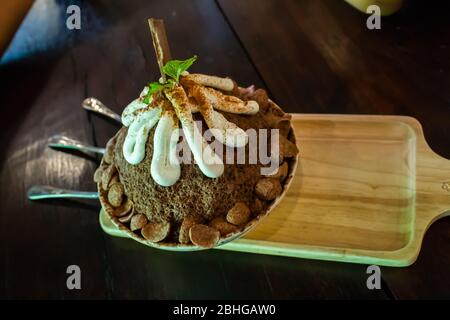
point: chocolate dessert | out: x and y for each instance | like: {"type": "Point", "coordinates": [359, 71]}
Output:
{"type": "Point", "coordinates": [150, 191]}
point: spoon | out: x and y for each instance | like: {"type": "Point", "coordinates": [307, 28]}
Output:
{"type": "Point", "coordinates": [61, 141]}
{"type": "Point", "coordinates": [95, 105]}
{"type": "Point", "coordinates": [49, 192]}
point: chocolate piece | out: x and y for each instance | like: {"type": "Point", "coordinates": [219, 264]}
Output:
{"type": "Point", "coordinates": [109, 151]}
{"type": "Point", "coordinates": [138, 222]}
{"type": "Point", "coordinates": [125, 209]}
{"type": "Point", "coordinates": [188, 222]}
{"type": "Point", "coordinates": [114, 180]}
{"type": "Point", "coordinates": [98, 174]}
{"type": "Point", "coordinates": [268, 188]}
{"type": "Point", "coordinates": [287, 148]}
{"type": "Point", "coordinates": [155, 231]}
{"type": "Point", "coordinates": [281, 172]}
{"type": "Point", "coordinates": [127, 218]}
{"type": "Point", "coordinates": [284, 125]}
{"type": "Point", "coordinates": [257, 206]}
{"type": "Point", "coordinates": [239, 214]}
{"type": "Point", "coordinates": [204, 236]}
{"type": "Point", "coordinates": [115, 195]}
{"type": "Point", "coordinates": [260, 96]}
{"type": "Point", "coordinates": [107, 175]}
{"type": "Point", "coordinates": [223, 226]}
{"type": "Point", "coordinates": [243, 93]}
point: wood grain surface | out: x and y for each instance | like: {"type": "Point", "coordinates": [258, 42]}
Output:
{"type": "Point", "coordinates": [366, 190]}
{"type": "Point", "coordinates": [304, 62]}
{"type": "Point", "coordinates": [319, 57]}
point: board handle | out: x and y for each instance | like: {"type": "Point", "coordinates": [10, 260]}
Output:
{"type": "Point", "coordinates": [442, 195]}
{"type": "Point", "coordinates": [432, 186]}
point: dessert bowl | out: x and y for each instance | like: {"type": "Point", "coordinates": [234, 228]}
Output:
{"type": "Point", "coordinates": [124, 224]}
{"type": "Point", "coordinates": [199, 160]}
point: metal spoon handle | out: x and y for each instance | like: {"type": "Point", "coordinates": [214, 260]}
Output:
{"type": "Point", "coordinates": [60, 141]}
{"type": "Point", "coordinates": [95, 105]}
{"type": "Point", "coordinates": [49, 192]}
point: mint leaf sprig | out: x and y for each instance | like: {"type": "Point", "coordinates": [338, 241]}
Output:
{"type": "Point", "coordinates": [173, 69]}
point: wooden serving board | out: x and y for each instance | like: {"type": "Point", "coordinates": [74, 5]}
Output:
{"type": "Point", "coordinates": [365, 191]}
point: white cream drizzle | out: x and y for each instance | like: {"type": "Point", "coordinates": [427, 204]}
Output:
{"type": "Point", "coordinates": [128, 114]}
{"type": "Point", "coordinates": [136, 139]}
{"type": "Point", "coordinates": [165, 168]}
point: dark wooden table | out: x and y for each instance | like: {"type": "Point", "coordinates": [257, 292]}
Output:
{"type": "Point", "coordinates": [311, 56]}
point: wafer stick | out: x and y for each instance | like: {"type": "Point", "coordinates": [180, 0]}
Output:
{"type": "Point", "coordinates": [160, 43]}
